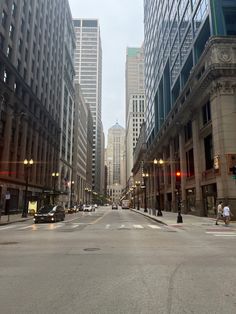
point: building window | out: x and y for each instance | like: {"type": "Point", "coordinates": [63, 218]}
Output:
{"type": "Point", "coordinates": [188, 131]}
{"type": "Point", "coordinates": [2, 40]}
{"type": "Point", "coordinates": [208, 145]}
{"type": "Point", "coordinates": [9, 52]}
{"type": "Point", "coordinates": [11, 31]}
{"type": "Point", "coordinates": [4, 18]}
{"type": "Point", "coordinates": [206, 113]}
{"type": "Point", "coordinates": [13, 9]}
{"type": "Point", "coordinates": [200, 14]}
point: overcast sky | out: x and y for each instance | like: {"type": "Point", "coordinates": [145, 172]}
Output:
{"type": "Point", "coordinates": [121, 23]}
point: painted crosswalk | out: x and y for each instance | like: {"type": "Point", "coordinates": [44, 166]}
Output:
{"type": "Point", "coordinates": [74, 226]}
{"type": "Point", "coordinates": [222, 233]}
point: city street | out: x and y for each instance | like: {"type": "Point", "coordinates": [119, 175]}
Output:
{"type": "Point", "coordinates": [117, 261]}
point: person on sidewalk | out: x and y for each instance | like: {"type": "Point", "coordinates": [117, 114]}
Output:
{"type": "Point", "coordinates": [226, 214]}
{"type": "Point", "coordinates": [219, 212]}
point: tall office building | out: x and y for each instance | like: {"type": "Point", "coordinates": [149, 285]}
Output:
{"type": "Point", "coordinates": [88, 67]}
{"type": "Point", "coordinates": [135, 102]}
{"type": "Point", "coordinates": [190, 97]}
{"type": "Point", "coordinates": [67, 111]}
{"type": "Point", "coordinates": [82, 153]}
{"type": "Point", "coordinates": [31, 81]}
{"type": "Point", "coordinates": [115, 162]}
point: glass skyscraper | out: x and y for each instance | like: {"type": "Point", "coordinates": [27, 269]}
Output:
{"type": "Point", "coordinates": [176, 32]}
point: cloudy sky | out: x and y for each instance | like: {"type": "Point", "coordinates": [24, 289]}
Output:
{"type": "Point", "coordinates": [121, 23]}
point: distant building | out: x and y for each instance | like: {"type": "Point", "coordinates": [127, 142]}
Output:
{"type": "Point", "coordinates": [135, 102]}
{"type": "Point", "coordinates": [88, 67]}
{"type": "Point", "coordinates": [82, 154]}
{"type": "Point", "coordinates": [115, 162]}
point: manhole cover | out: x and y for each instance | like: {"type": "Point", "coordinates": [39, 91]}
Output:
{"type": "Point", "coordinates": [8, 243]}
{"type": "Point", "coordinates": [92, 249]}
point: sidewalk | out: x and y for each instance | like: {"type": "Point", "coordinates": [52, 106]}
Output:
{"type": "Point", "coordinates": [5, 219]}
{"type": "Point", "coordinates": [170, 218]}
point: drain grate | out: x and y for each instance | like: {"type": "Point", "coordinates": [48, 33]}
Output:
{"type": "Point", "coordinates": [91, 249]}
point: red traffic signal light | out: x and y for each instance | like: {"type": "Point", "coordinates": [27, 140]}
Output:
{"type": "Point", "coordinates": [178, 174]}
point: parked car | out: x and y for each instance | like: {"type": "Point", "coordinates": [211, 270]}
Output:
{"type": "Point", "coordinates": [72, 210]}
{"type": "Point", "coordinates": [114, 206]}
{"type": "Point", "coordinates": [50, 213]}
{"type": "Point", "coordinates": [87, 208]}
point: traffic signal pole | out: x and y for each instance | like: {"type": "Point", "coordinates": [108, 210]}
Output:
{"type": "Point", "coordinates": [178, 184]}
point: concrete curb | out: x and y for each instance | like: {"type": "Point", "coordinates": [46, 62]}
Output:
{"type": "Point", "coordinates": [149, 216]}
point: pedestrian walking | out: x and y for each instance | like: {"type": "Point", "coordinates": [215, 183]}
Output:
{"type": "Point", "coordinates": [226, 214]}
{"type": "Point", "coordinates": [219, 212]}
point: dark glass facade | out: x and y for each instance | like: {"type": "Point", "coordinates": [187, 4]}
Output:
{"type": "Point", "coordinates": [176, 32]}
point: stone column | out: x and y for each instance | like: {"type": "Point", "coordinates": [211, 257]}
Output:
{"type": "Point", "coordinates": [172, 172]}
{"type": "Point", "coordinates": [35, 153]}
{"type": "Point", "coordinates": [23, 148]}
{"type": "Point", "coordinates": [16, 146]}
{"type": "Point", "coordinates": [7, 141]}
{"type": "Point", "coordinates": [223, 95]}
{"type": "Point", "coordinates": [183, 169]}
{"type": "Point", "coordinates": [197, 167]}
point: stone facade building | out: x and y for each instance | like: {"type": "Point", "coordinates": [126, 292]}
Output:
{"type": "Point", "coordinates": [31, 81]}
{"type": "Point", "coordinates": [190, 94]}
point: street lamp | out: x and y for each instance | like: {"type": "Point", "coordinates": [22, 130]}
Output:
{"type": "Point", "coordinates": [145, 176]}
{"type": "Point", "coordinates": [27, 164]}
{"type": "Point", "coordinates": [134, 187]}
{"type": "Point", "coordinates": [71, 191]}
{"type": "Point", "coordinates": [137, 183]}
{"type": "Point", "coordinates": [157, 163]}
{"type": "Point", "coordinates": [55, 175]}
{"type": "Point", "coordinates": [86, 195]}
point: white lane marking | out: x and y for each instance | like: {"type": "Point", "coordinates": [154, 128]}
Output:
{"type": "Point", "coordinates": [8, 227]}
{"type": "Point", "coordinates": [122, 226]}
{"type": "Point", "coordinates": [58, 225]}
{"type": "Point", "coordinates": [75, 226]}
{"type": "Point", "coordinates": [138, 226]}
{"type": "Point", "coordinates": [225, 235]}
{"type": "Point", "coordinates": [154, 226]}
{"type": "Point", "coordinates": [107, 226]}
{"type": "Point", "coordinates": [220, 232]}
{"type": "Point", "coordinates": [27, 227]}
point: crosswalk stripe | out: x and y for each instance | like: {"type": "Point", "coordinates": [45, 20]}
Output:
{"type": "Point", "coordinates": [138, 226]}
{"type": "Point", "coordinates": [8, 227]}
{"type": "Point", "coordinates": [154, 226]}
{"type": "Point", "coordinates": [122, 226]}
{"type": "Point", "coordinates": [107, 226]}
{"type": "Point", "coordinates": [225, 235]}
{"type": "Point", "coordinates": [27, 227]}
{"type": "Point", "coordinates": [220, 232]}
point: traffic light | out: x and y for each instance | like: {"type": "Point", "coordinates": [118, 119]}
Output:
{"type": "Point", "coordinates": [178, 178]}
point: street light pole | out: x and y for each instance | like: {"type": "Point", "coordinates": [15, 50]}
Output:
{"type": "Point", "coordinates": [27, 164]}
{"type": "Point", "coordinates": [137, 183]}
{"type": "Point", "coordinates": [55, 175]}
{"type": "Point", "coordinates": [158, 163]}
{"type": "Point", "coordinates": [71, 191]}
{"type": "Point", "coordinates": [134, 187]}
{"type": "Point", "coordinates": [145, 176]}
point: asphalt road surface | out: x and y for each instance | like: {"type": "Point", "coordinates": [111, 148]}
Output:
{"type": "Point", "coordinates": [116, 261]}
